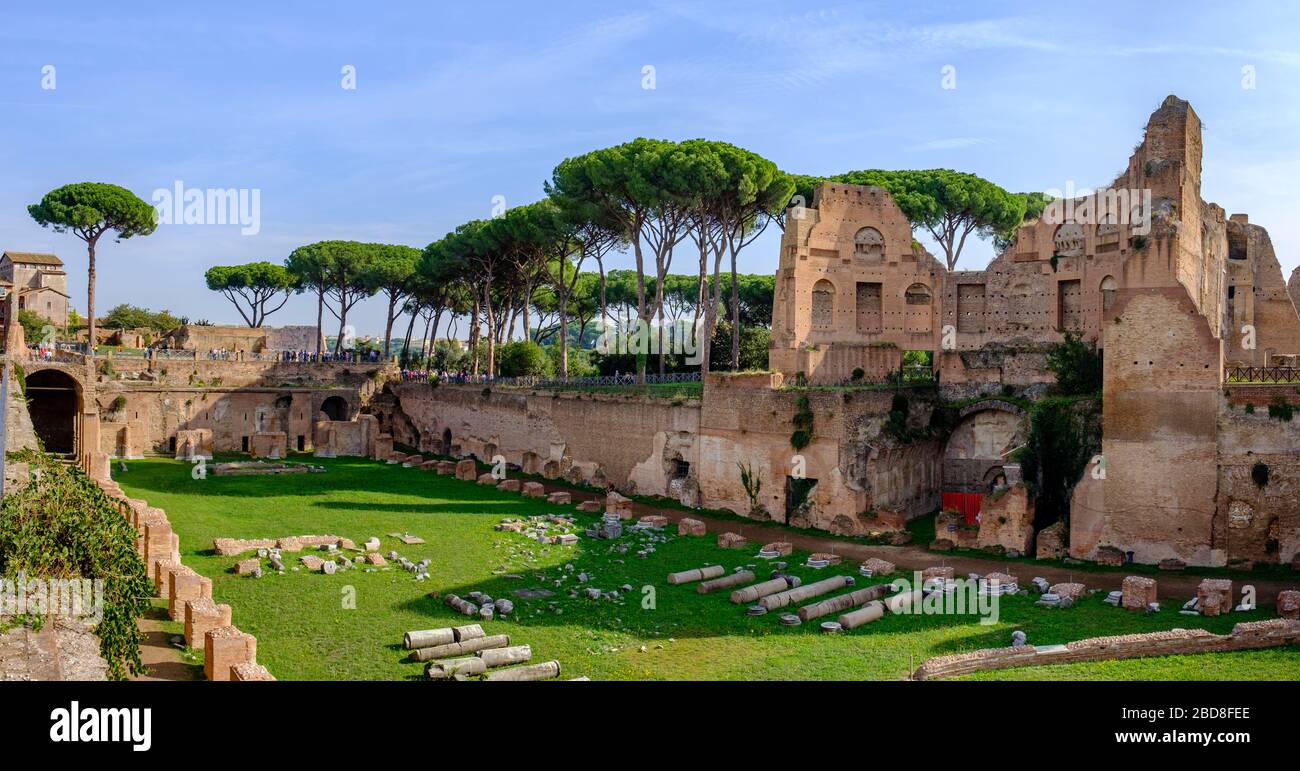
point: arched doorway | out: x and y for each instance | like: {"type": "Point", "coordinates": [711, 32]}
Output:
{"type": "Point", "coordinates": [446, 441]}
{"type": "Point", "coordinates": [977, 450]}
{"type": "Point", "coordinates": [54, 402]}
{"type": "Point", "coordinates": [335, 408]}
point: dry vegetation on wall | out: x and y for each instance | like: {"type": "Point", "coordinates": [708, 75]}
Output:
{"type": "Point", "coordinates": [61, 525]}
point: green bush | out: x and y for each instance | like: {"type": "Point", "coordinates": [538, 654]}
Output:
{"type": "Point", "coordinates": [1077, 366]}
{"type": "Point", "coordinates": [61, 525]}
{"type": "Point", "coordinates": [522, 358]}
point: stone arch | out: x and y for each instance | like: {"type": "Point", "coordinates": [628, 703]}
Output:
{"type": "Point", "coordinates": [869, 245]}
{"type": "Point", "coordinates": [1067, 241]}
{"type": "Point", "coordinates": [1108, 288]}
{"type": "Point", "coordinates": [335, 408]}
{"type": "Point", "coordinates": [918, 294]}
{"type": "Point", "coordinates": [54, 401]}
{"type": "Point", "coordinates": [823, 304]}
{"type": "Point", "coordinates": [981, 444]}
{"type": "Point", "coordinates": [1108, 233]}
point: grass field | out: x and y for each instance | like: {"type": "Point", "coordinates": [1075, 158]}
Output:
{"type": "Point", "coordinates": [304, 630]}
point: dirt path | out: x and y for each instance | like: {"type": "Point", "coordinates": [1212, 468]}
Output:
{"type": "Point", "coordinates": [1171, 586]}
{"type": "Point", "coordinates": [163, 659]}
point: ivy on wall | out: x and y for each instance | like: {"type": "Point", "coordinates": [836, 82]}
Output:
{"type": "Point", "coordinates": [61, 525]}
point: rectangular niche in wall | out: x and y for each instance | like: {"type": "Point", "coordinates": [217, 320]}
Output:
{"type": "Point", "coordinates": [1069, 302]}
{"type": "Point", "coordinates": [868, 307]}
{"type": "Point", "coordinates": [970, 307]}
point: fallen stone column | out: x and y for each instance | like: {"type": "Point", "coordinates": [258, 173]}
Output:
{"type": "Point", "coordinates": [427, 638]}
{"type": "Point", "coordinates": [801, 593]}
{"type": "Point", "coordinates": [864, 615]}
{"type": "Point", "coordinates": [903, 601]}
{"type": "Point", "coordinates": [546, 670]}
{"type": "Point", "coordinates": [752, 593]}
{"type": "Point", "coordinates": [460, 648]}
{"type": "Point", "coordinates": [468, 632]}
{"type": "Point", "coordinates": [698, 574]}
{"type": "Point", "coordinates": [448, 668]}
{"type": "Point", "coordinates": [500, 657]}
{"type": "Point", "coordinates": [843, 602]}
{"type": "Point", "coordinates": [725, 582]}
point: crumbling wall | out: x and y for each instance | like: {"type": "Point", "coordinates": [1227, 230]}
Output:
{"type": "Point", "coordinates": [1258, 519]}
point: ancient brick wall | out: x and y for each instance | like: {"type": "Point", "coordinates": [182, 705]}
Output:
{"type": "Point", "coordinates": [1254, 521]}
{"type": "Point", "coordinates": [1160, 407]}
{"type": "Point", "coordinates": [1245, 636]}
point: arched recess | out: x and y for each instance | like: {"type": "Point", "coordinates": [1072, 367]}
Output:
{"type": "Point", "coordinates": [869, 246]}
{"type": "Point", "coordinates": [54, 400]}
{"type": "Point", "coordinates": [335, 408]}
{"type": "Point", "coordinates": [823, 304]}
{"type": "Point", "coordinates": [978, 449]}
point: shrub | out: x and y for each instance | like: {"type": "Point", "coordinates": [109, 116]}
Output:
{"type": "Point", "coordinates": [1281, 409]}
{"type": "Point", "coordinates": [803, 424]}
{"type": "Point", "coordinates": [522, 358]}
{"type": "Point", "coordinates": [1077, 366]}
{"type": "Point", "coordinates": [858, 374]}
{"type": "Point", "coordinates": [62, 525]}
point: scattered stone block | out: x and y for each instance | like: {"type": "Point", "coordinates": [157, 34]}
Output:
{"type": "Point", "coordinates": [1172, 564]}
{"type": "Point", "coordinates": [446, 467]}
{"type": "Point", "coordinates": [876, 567]}
{"type": "Point", "coordinates": [466, 470]}
{"type": "Point", "coordinates": [201, 615]}
{"type": "Point", "coordinates": [376, 559]}
{"type": "Point", "coordinates": [185, 585]}
{"type": "Point", "coordinates": [654, 520]}
{"type": "Point", "coordinates": [590, 506]}
{"type": "Point", "coordinates": [1110, 556]}
{"type": "Point", "coordinates": [534, 490]}
{"type": "Point", "coordinates": [509, 485]}
{"type": "Point", "coordinates": [1214, 596]}
{"type": "Point", "coordinates": [487, 479]}
{"type": "Point", "coordinates": [942, 544]}
{"type": "Point", "coordinates": [618, 504]}
{"type": "Point", "coordinates": [1288, 604]}
{"type": "Point", "coordinates": [1052, 542]}
{"type": "Point", "coordinates": [776, 549]}
{"type": "Point", "coordinates": [728, 540]}
{"type": "Point", "coordinates": [1073, 591]}
{"type": "Point", "coordinates": [372, 543]}
{"type": "Point", "coordinates": [823, 559]}
{"type": "Point", "coordinates": [1002, 583]}
{"type": "Point", "coordinates": [946, 573]}
{"type": "Point", "coordinates": [312, 562]}
{"type": "Point", "coordinates": [560, 498]}
{"type": "Point", "coordinates": [688, 526]}
{"type": "Point", "coordinates": [249, 672]}
{"type": "Point", "coordinates": [246, 567]}
{"type": "Point", "coordinates": [224, 647]}
{"type": "Point", "coordinates": [1138, 592]}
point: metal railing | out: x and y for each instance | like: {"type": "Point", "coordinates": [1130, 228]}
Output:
{"type": "Point", "coordinates": [629, 379]}
{"type": "Point", "coordinates": [1262, 375]}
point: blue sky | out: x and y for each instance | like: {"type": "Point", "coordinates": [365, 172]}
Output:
{"type": "Point", "coordinates": [457, 103]}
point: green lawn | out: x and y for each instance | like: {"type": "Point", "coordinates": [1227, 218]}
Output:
{"type": "Point", "coordinates": [304, 631]}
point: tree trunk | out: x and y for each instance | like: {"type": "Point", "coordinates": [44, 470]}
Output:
{"type": "Point", "coordinates": [90, 294]}
{"type": "Point", "coordinates": [388, 327]}
{"type": "Point", "coordinates": [735, 317]}
{"type": "Point", "coordinates": [473, 338]}
{"type": "Point", "coordinates": [320, 320]}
